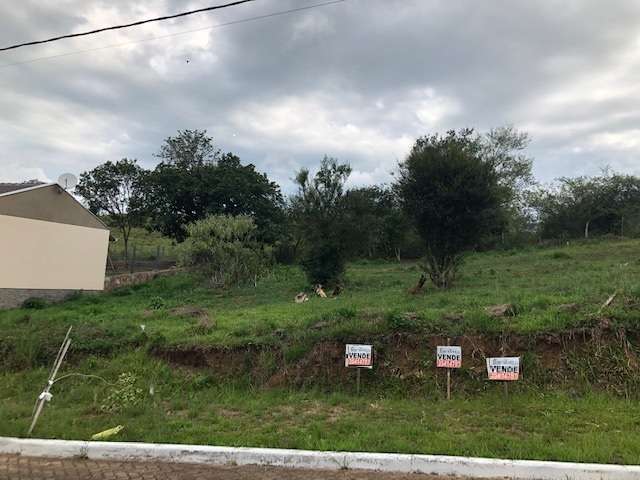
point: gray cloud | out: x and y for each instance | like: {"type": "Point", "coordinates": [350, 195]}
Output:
{"type": "Point", "coordinates": [358, 80]}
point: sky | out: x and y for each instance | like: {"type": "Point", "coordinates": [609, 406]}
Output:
{"type": "Point", "coordinates": [358, 80]}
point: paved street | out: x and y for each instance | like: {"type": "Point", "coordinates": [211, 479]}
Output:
{"type": "Point", "coordinates": [14, 467]}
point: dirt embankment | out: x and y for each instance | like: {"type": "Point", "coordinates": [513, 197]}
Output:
{"type": "Point", "coordinates": [601, 358]}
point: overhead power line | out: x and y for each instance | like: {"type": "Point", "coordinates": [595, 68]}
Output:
{"type": "Point", "coordinates": [126, 25]}
{"type": "Point", "coordinates": [186, 32]}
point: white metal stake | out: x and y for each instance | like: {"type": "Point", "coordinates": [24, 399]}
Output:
{"type": "Point", "coordinates": [45, 396]}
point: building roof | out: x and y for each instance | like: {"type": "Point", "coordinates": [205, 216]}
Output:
{"type": "Point", "coordinates": [48, 202]}
{"type": "Point", "coordinates": [13, 187]}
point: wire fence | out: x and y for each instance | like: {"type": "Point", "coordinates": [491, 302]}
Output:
{"type": "Point", "coordinates": [139, 258]}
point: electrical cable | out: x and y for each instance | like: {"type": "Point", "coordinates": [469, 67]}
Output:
{"type": "Point", "coordinates": [186, 32]}
{"type": "Point", "coordinates": [126, 25]}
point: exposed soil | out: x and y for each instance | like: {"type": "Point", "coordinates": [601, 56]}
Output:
{"type": "Point", "coordinates": [581, 358]}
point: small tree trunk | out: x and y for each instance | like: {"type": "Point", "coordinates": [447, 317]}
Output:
{"type": "Point", "coordinates": [418, 288]}
{"type": "Point", "coordinates": [586, 229]}
{"type": "Point", "coordinates": [397, 251]}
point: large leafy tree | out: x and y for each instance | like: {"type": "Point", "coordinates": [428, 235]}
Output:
{"type": "Point", "coordinates": [319, 208]}
{"type": "Point", "coordinates": [116, 190]}
{"type": "Point", "coordinates": [195, 180]}
{"type": "Point", "coordinates": [453, 196]}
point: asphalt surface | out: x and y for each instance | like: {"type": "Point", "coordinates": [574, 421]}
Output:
{"type": "Point", "coordinates": [15, 467]}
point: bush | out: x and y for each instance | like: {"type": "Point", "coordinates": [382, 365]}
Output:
{"type": "Point", "coordinates": [34, 303]}
{"type": "Point", "coordinates": [223, 249]}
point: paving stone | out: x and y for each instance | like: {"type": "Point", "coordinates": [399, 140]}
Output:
{"type": "Point", "coordinates": [14, 467]}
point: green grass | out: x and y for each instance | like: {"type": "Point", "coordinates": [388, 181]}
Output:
{"type": "Point", "coordinates": [196, 406]}
{"type": "Point", "coordinates": [536, 281]}
{"type": "Point", "coordinates": [190, 407]}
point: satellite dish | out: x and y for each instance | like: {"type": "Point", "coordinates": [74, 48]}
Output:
{"type": "Point", "coordinates": [67, 181]}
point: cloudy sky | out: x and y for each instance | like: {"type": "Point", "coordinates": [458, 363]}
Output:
{"type": "Point", "coordinates": [358, 80]}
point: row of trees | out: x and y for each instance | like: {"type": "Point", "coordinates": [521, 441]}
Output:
{"type": "Point", "coordinates": [453, 193]}
{"type": "Point", "coordinates": [575, 207]}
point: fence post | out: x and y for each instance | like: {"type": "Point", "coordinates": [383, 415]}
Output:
{"type": "Point", "coordinates": [133, 260]}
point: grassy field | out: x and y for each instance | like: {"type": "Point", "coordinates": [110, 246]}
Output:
{"type": "Point", "coordinates": [192, 408]}
{"type": "Point", "coordinates": [536, 281]}
{"type": "Point", "coordinates": [193, 405]}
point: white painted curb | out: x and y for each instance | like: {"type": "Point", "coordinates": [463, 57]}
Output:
{"type": "Point", "coordinates": [388, 462]}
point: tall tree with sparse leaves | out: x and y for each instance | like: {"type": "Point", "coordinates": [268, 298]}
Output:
{"type": "Point", "coordinates": [320, 212]}
{"type": "Point", "coordinates": [115, 189]}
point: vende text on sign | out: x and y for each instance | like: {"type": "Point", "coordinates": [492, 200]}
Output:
{"type": "Point", "coordinates": [358, 356]}
{"type": "Point", "coordinates": [449, 357]}
{"type": "Point", "coordinates": [503, 368]}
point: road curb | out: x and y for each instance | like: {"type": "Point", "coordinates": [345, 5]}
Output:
{"type": "Point", "coordinates": [388, 462]}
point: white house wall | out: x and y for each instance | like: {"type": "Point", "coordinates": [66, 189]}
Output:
{"type": "Point", "coordinates": [36, 254]}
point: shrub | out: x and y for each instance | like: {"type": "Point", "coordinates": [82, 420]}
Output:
{"type": "Point", "coordinates": [223, 249]}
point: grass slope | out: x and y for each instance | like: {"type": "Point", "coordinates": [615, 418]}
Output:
{"type": "Point", "coordinates": [193, 406]}
{"type": "Point", "coordinates": [536, 281]}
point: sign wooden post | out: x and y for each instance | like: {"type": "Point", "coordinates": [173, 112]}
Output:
{"type": "Point", "coordinates": [448, 375]}
{"type": "Point", "coordinates": [358, 356]}
{"type": "Point", "coordinates": [449, 357]}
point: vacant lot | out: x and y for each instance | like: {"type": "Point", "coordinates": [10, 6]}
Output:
{"type": "Point", "coordinates": [248, 366]}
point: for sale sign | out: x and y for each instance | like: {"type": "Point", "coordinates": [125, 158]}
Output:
{"type": "Point", "coordinates": [358, 356]}
{"type": "Point", "coordinates": [449, 357]}
{"type": "Point", "coordinates": [503, 368]}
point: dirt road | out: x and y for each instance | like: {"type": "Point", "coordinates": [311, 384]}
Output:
{"type": "Point", "coordinates": [15, 467]}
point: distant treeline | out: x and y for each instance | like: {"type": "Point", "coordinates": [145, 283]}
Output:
{"type": "Point", "coordinates": [194, 180]}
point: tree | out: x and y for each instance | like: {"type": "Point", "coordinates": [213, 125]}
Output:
{"type": "Point", "coordinates": [574, 207]}
{"type": "Point", "coordinates": [503, 148]}
{"type": "Point", "coordinates": [452, 195]}
{"type": "Point", "coordinates": [194, 180]}
{"type": "Point", "coordinates": [115, 189]}
{"type": "Point", "coordinates": [189, 149]}
{"type": "Point", "coordinates": [224, 249]}
{"type": "Point", "coordinates": [320, 210]}
{"type": "Point", "coordinates": [377, 225]}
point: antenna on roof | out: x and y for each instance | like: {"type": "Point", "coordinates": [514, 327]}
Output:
{"type": "Point", "coordinates": [68, 181]}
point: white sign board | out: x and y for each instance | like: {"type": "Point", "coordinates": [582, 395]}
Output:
{"type": "Point", "coordinates": [503, 368]}
{"type": "Point", "coordinates": [449, 357]}
{"type": "Point", "coordinates": [358, 356]}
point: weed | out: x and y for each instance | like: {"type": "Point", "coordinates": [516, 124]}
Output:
{"type": "Point", "coordinates": [124, 395]}
{"type": "Point", "coordinates": [34, 303]}
{"type": "Point", "coordinates": [157, 303]}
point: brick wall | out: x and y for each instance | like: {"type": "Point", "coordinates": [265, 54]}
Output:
{"type": "Point", "coordinates": [13, 297]}
{"type": "Point", "coordinates": [137, 278]}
